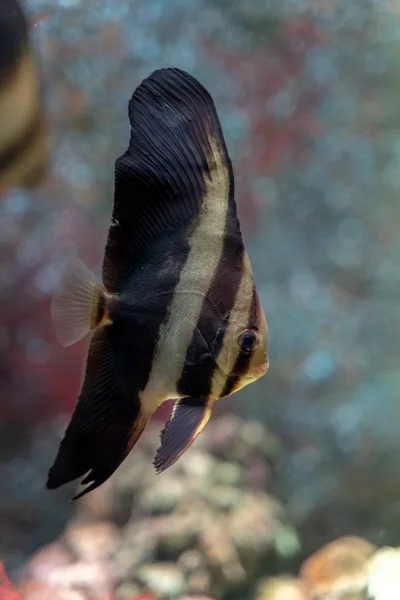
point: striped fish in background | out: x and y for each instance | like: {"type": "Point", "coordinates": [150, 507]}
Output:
{"type": "Point", "coordinates": [178, 315]}
{"type": "Point", "coordinates": [23, 132]}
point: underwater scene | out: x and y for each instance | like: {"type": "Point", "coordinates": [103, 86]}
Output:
{"type": "Point", "coordinates": [199, 296]}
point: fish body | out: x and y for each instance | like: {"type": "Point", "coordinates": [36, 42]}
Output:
{"type": "Point", "coordinates": [177, 315]}
{"type": "Point", "coordinates": [23, 131]}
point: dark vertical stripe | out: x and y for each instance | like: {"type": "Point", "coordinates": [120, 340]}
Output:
{"type": "Point", "coordinates": [100, 310]}
{"type": "Point", "coordinates": [143, 306]}
{"type": "Point", "coordinates": [13, 39]}
{"type": "Point", "coordinates": [243, 361]}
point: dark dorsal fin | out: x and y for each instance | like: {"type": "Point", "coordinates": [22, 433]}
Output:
{"type": "Point", "coordinates": [175, 163]}
{"type": "Point", "coordinates": [106, 423]}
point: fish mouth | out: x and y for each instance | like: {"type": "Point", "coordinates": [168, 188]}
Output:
{"type": "Point", "coordinates": [257, 372]}
{"type": "Point", "coordinates": [265, 367]}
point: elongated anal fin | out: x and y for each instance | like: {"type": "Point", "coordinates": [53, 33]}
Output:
{"type": "Point", "coordinates": [107, 422]}
{"type": "Point", "coordinates": [79, 305]}
{"type": "Point", "coordinates": [189, 417]}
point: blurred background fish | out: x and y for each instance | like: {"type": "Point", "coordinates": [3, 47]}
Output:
{"type": "Point", "coordinates": [179, 316]}
{"type": "Point", "coordinates": [23, 131]}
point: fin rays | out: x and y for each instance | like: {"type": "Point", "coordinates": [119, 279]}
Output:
{"type": "Point", "coordinates": [161, 180]}
{"type": "Point", "coordinates": [188, 418]}
{"type": "Point", "coordinates": [78, 306]}
{"type": "Point", "coordinates": [106, 422]}
{"type": "Point", "coordinates": [173, 204]}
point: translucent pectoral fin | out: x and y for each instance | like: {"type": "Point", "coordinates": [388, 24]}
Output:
{"type": "Point", "coordinates": [79, 303]}
{"type": "Point", "coordinates": [189, 417]}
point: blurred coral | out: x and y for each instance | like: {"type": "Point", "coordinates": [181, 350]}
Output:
{"type": "Point", "coordinates": [200, 528]}
{"type": "Point", "coordinates": [281, 588]}
{"type": "Point", "coordinates": [339, 567]}
{"type": "Point", "coordinates": [384, 574]}
{"type": "Point", "coordinates": [348, 568]}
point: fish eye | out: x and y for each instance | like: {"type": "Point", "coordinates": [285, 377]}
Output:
{"type": "Point", "coordinates": [248, 340]}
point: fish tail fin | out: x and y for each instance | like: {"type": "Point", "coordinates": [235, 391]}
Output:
{"type": "Point", "coordinates": [80, 304]}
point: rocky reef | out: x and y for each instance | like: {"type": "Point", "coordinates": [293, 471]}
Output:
{"type": "Point", "coordinates": [349, 568]}
{"type": "Point", "coordinates": [207, 528]}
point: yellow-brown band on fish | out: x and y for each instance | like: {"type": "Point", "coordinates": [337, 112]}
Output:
{"type": "Point", "coordinates": [23, 130]}
{"type": "Point", "coordinates": [205, 239]}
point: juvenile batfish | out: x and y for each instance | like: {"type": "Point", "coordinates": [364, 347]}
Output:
{"type": "Point", "coordinates": [178, 314]}
{"type": "Point", "coordinates": [23, 133]}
